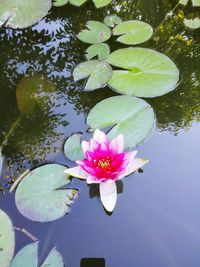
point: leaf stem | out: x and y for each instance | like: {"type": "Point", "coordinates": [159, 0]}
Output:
{"type": "Point", "coordinates": [18, 180]}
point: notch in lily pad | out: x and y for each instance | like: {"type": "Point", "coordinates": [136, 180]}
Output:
{"type": "Point", "coordinates": [112, 20]}
{"type": "Point", "coordinates": [99, 73]}
{"type": "Point", "coordinates": [130, 116]}
{"type": "Point", "coordinates": [22, 13]}
{"type": "Point", "coordinates": [97, 32]}
{"type": "Point", "coordinates": [102, 51]}
{"type": "Point", "coordinates": [192, 23]}
{"type": "Point", "coordinates": [73, 149]}
{"type": "Point", "coordinates": [144, 72]}
{"type": "Point", "coordinates": [41, 195]}
{"type": "Point", "coordinates": [133, 32]}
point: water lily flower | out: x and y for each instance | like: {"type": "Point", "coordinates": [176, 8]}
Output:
{"type": "Point", "coordinates": [106, 162]}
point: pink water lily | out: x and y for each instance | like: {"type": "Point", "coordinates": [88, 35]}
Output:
{"type": "Point", "coordinates": [106, 162]}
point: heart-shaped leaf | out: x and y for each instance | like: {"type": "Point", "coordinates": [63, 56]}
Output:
{"type": "Point", "coordinates": [7, 240]}
{"type": "Point", "coordinates": [112, 20]}
{"type": "Point", "coordinates": [147, 73]}
{"type": "Point", "coordinates": [58, 3]}
{"type": "Point", "coordinates": [39, 197]}
{"type": "Point", "coordinates": [192, 23]}
{"type": "Point", "coordinates": [97, 32]}
{"type": "Point", "coordinates": [133, 32]}
{"type": "Point", "coordinates": [130, 116]}
{"type": "Point", "coordinates": [100, 73]}
{"type": "Point", "coordinates": [22, 13]}
{"type": "Point", "coordinates": [101, 3]}
{"type": "Point", "coordinates": [73, 149]}
{"type": "Point", "coordinates": [100, 50]}
{"type": "Point", "coordinates": [194, 2]}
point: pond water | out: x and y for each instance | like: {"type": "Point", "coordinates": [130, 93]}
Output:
{"type": "Point", "coordinates": [156, 221]}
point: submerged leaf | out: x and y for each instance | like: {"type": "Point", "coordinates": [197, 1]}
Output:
{"type": "Point", "coordinates": [146, 73]}
{"type": "Point", "coordinates": [7, 240]}
{"type": "Point", "coordinates": [192, 23]}
{"type": "Point", "coordinates": [97, 33]}
{"type": "Point", "coordinates": [58, 3]}
{"type": "Point", "coordinates": [22, 13]}
{"type": "Point", "coordinates": [100, 50]}
{"type": "Point", "coordinates": [101, 3]}
{"type": "Point", "coordinates": [133, 32]}
{"type": "Point", "coordinates": [100, 73]}
{"type": "Point", "coordinates": [130, 116]}
{"type": "Point", "coordinates": [112, 20]}
{"type": "Point", "coordinates": [73, 149]}
{"type": "Point", "coordinates": [38, 198]}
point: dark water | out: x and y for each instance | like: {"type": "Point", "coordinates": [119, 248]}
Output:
{"type": "Point", "coordinates": [156, 222]}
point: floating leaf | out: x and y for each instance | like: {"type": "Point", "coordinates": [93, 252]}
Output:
{"type": "Point", "coordinates": [27, 256]}
{"type": "Point", "coordinates": [100, 50]}
{"type": "Point", "coordinates": [1, 161]}
{"type": "Point", "coordinates": [133, 32]}
{"type": "Point", "coordinates": [54, 259]}
{"type": "Point", "coordinates": [7, 240]}
{"type": "Point", "coordinates": [38, 198]}
{"type": "Point", "coordinates": [112, 20]}
{"type": "Point", "coordinates": [130, 116]}
{"type": "Point", "coordinates": [194, 2]}
{"type": "Point", "coordinates": [97, 33]}
{"type": "Point", "coordinates": [192, 23]}
{"type": "Point", "coordinates": [77, 2]}
{"type": "Point", "coordinates": [147, 73]}
{"type": "Point", "coordinates": [73, 149]}
{"type": "Point", "coordinates": [58, 3]}
{"type": "Point", "coordinates": [32, 92]}
{"type": "Point", "coordinates": [100, 73]}
{"type": "Point", "coordinates": [22, 13]}
{"type": "Point", "coordinates": [101, 3]}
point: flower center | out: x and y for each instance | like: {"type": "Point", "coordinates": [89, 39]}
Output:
{"type": "Point", "coordinates": [103, 163]}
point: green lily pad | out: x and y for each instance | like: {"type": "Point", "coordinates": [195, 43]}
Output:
{"type": "Point", "coordinates": [97, 32]}
{"type": "Point", "coordinates": [58, 3]}
{"type": "Point", "coordinates": [192, 23]}
{"type": "Point", "coordinates": [146, 73]}
{"type": "Point", "coordinates": [54, 259]}
{"type": "Point", "coordinates": [194, 2]}
{"type": "Point", "coordinates": [77, 2]}
{"type": "Point", "coordinates": [7, 240]}
{"type": "Point", "coordinates": [130, 116]}
{"type": "Point", "coordinates": [27, 256]}
{"type": "Point", "coordinates": [100, 50]}
{"type": "Point", "coordinates": [73, 149]}
{"type": "Point", "coordinates": [39, 197]}
{"type": "Point", "coordinates": [112, 20]}
{"type": "Point", "coordinates": [33, 92]}
{"type": "Point", "coordinates": [133, 32]}
{"type": "Point", "coordinates": [22, 13]}
{"type": "Point", "coordinates": [100, 73]}
{"type": "Point", "coordinates": [101, 3]}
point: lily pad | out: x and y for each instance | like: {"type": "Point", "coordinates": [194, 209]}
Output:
{"type": "Point", "coordinates": [133, 32]}
{"type": "Point", "coordinates": [22, 13]}
{"type": "Point", "coordinates": [99, 73]}
{"type": "Point", "coordinates": [146, 73]}
{"type": "Point", "coordinates": [97, 32]}
{"type": "Point", "coordinates": [58, 3]}
{"type": "Point", "coordinates": [192, 23]}
{"type": "Point", "coordinates": [77, 2]}
{"type": "Point", "coordinates": [73, 149]}
{"type": "Point", "coordinates": [112, 20]}
{"type": "Point", "coordinates": [100, 50]}
{"type": "Point", "coordinates": [33, 92]}
{"type": "Point", "coordinates": [194, 2]}
{"type": "Point", "coordinates": [101, 3]}
{"type": "Point", "coordinates": [39, 197]}
{"type": "Point", "coordinates": [54, 259]}
{"type": "Point", "coordinates": [130, 116]}
{"type": "Point", "coordinates": [7, 240]}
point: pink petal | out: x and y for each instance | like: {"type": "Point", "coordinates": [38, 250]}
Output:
{"type": "Point", "coordinates": [77, 172]}
{"type": "Point", "coordinates": [93, 145]}
{"type": "Point", "coordinates": [117, 144]}
{"type": "Point", "coordinates": [108, 194]}
{"type": "Point", "coordinates": [85, 146]}
{"type": "Point", "coordinates": [130, 155]}
{"type": "Point", "coordinates": [100, 137]}
{"type": "Point", "coordinates": [92, 180]}
{"type": "Point", "coordinates": [134, 165]}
